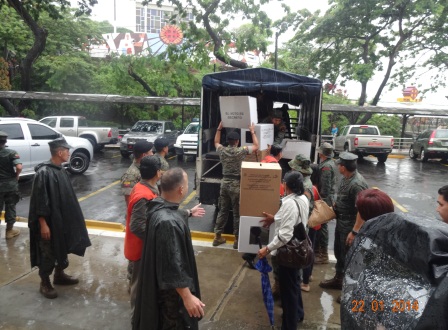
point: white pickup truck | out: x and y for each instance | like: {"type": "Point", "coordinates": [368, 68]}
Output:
{"type": "Point", "coordinates": [364, 140]}
{"type": "Point", "coordinates": [77, 126]}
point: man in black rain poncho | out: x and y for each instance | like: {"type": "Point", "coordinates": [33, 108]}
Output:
{"type": "Point", "coordinates": [168, 296]}
{"type": "Point", "coordinates": [56, 222]}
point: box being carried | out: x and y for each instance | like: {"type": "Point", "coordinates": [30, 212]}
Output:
{"type": "Point", "coordinates": [238, 111]}
{"type": "Point", "coordinates": [265, 136]}
{"type": "Point", "coordinates": [259, 188]}
{"type": "Point", "coordinates": [251, 231]}
{"type": "Point", "coordinates": [291, 148]}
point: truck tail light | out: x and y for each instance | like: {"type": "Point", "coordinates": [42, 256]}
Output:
{"type": "Point", "coordinates": [392, 143]}
{"type": "Point", "coordinates": [356, 141]}
{"type": "Point", "coordinates": [110, 133]}
{"type": "Point", "coordinates": [431, 138]}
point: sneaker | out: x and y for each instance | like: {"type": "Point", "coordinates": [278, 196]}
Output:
{"type": "Point", "coordinates": [218, 241]}
{"type": "Point", "coordinates": [305, 287]}
{"type": "Point", "coordinates": [10, 233]}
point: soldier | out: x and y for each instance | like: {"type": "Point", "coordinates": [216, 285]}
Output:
{"type": "Point", "coordinates": [161, 146]}
{"type": "Point", "coordinates": [231, 158]}
{"type": "Point", "coordinates": [130, 178]}
{"type": "Point", "coordinates": [345, 207]}
{"type": "Point", "coordinates": [302, 164]}
{"type": "Point", "coordinates": [276, 118]}
{"type": "Point", "coordinates": [10, 168]}
{"type": "Point", "coordinates": [327, 169]}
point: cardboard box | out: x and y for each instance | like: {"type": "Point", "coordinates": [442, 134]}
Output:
{"type": "Point", "coordinates": [238, 111]}
{"type": "Point", "coordinates": [265, 136]}
{"type": "Point", "coordinates": [291, 148]}
{"type": "Point", "coordinates": [250, 229]}
{"type": "Point", "coordinates": [257, 156]}
{"type": "Point", "coordinates": [260, 188]}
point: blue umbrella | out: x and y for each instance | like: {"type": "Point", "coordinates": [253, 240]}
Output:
{"type": "Point", "coordinates": [264, 268]}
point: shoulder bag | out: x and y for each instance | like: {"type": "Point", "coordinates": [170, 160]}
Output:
{"type": "Point", "coordinates": [298, 252]}
{"type": "Point", "coordinates": [322, 213]}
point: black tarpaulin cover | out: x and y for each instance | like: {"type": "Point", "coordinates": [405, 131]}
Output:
{"type": "Point", "coordinates": [396, 275]}
{"type": "Point", "coordinates": [287, 87]}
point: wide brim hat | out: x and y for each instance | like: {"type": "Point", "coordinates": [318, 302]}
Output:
{"type": "Point", "coordinates": [301, 164]}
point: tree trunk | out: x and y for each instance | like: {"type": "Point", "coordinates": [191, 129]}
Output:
{"type": "Point", "coordinates": [9, 107]}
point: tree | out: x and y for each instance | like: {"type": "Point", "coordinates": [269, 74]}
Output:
{"type": "Point", "coordinates": [356, 37]}
{"type": "Point", "coordinates": [29, 12]}
{"type": "Point", "coordinates": [210, 30]}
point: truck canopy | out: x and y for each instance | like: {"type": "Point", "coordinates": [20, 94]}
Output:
{"type": "Point", "coordinates": [267, 86]}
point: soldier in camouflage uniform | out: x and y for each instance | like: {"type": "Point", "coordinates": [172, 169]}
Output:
{"type": "Point", "coordinates": [302, 164]}
{"type": "Point", "coordinates": [345, 207]}
{"type": "Point", "coordinates": [276, 118]}
{"type": "Point", "coordinates": [161, 146]}
{"type": "Point", "coordinates": [10, 168]}
{"type": "Point", "coordinates": [327, 169]}
{"type": "Point", "coordinates": [132, 176]}
{"type": "Point", "coordinates": [229, 199]}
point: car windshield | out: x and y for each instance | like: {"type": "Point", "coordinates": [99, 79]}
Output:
{"type": "Point", "coordinates": [442, 133]}
{"type": "Point", "coordinates": [147, 126]}
{"type": "Point", "coordinates": [192, 129]}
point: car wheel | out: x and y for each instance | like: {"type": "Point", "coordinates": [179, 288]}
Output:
{"type": "Point", "coordinates": [180, 157]}
{"type": "Point", "coordinates": [346, 148]}
{"type": "Point", "coordinates": [79, 163]}
{"type": "Point", "coordinates": [124, 154]}
{"type": "Point", "coordinates": [412, 153]}
{"type": "Point", "coordinates": [382, 158]}
{"type": "Point", "coordinates": [423, 156]}
{"type": "Point", "coordinates": [93, 143]}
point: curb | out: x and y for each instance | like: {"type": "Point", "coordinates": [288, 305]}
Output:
{"type": "Point", "coordinates": [208, 237]}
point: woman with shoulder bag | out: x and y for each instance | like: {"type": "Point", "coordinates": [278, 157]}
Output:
{"type": "Point", "coordinates": [294, 209]}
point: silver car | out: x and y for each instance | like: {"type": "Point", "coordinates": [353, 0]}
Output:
{"type": "Point", "coordinates": [431, 143]}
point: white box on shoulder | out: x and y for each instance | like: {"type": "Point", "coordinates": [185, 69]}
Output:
{"type": "Point", "coordinates": [250, 229]}
{"type": "Point", "coordinates": [291, 148]}
{"type": "Point", "coordinates": [238, 111]}
{"type": "Point", "coordinates": [265, 136]}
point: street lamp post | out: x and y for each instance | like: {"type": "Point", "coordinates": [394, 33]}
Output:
{"type": "Point", "coordinates": [276, 50]}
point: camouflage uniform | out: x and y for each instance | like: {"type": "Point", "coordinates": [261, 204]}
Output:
{"type": "Point", "coordinates": [229, 198]}
{"type": "Point", "coordinates": [328, 178]}
{"type": "Point", "coordinates": [9, 187]}
{"type": "Point", "coordinates": [165, 166]}
{"type": "Point", "coordinates": [346, 214]}
{"type": "Point", "coordinates": [130, 178]}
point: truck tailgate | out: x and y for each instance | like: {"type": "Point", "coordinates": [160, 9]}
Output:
{"type": "Point", "coordinates": [373, 141]}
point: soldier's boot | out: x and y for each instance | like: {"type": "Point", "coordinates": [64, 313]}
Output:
{"type": "Point", "coordinates": [11, 232]}
{"type": "Point", "coordinates": [235, 243]}
{"type": "Point", "coordinates": [61, 278]}
{"type": "Point", "coordinates": [218, 240]}
{"type": "Point", "coordinates": [276, 290]}
{"type": "Point", "coordinates": [322, 258]}
{"type": "Point", "coordinates": [335, 283]}
{"type": "Point", "coordinates": [46, 289]}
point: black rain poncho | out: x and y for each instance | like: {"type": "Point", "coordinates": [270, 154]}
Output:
{"type": "Point", "coordinates": [396, 275]}
{"type": "Point", "coordinates": [167, 263]}
{"type": "Point", "coordinates": [53, 197]}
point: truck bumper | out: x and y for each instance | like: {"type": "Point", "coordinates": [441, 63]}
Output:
{"type": "Point", "coordinates": [372, 151]}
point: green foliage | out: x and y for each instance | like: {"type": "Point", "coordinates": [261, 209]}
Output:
{"type": "Point", "coordinates": [4, 76]}
{"type": "Point", "coordinates": [388, 125]}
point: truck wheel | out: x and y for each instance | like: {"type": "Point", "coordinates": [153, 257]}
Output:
{"type": "Point", "coordinates": [93, 143]}
{"type": "Point", "coordinates": [412, 154]}
{"type": "Point", "coordinates": [79, 163]}
{"type": "Point", "coordinates": [346, 148]}
{"type": "Point", "coordinates": [124, 154]}
{"type": "Point", "coordinates": [423, 156]}
{"type": "Point", "coordinates": [382, 158]}
{"type": "Point", "coordinates": [180, 157]}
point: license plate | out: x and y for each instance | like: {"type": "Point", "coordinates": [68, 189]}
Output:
{"type": "Point", "coordinates": [378, 144]}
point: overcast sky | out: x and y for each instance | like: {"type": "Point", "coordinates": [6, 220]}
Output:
{"type": "Point", "coordinates": [104, 11]}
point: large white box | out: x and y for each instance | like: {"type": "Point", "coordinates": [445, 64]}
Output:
{"type": "Point", "coordinates": [291, 148]}
{"type": "Point", "coordinates": [247, 242]}
{"type": "Point", "coordinates": [238, 111]}
{"type": "Point", "coordinates": [265, 136]}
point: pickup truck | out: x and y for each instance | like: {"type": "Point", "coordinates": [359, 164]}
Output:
{"type": "Point", "coordinates": [77, 126]}
{"type": "Point", "coordinates": [148, 130]}
{"type": "Point", "coordinates": [364, 140]}
{"type": "Point", "coordinates": [30, 139]}
{"type": "Point", "coordinates": [187, 142]}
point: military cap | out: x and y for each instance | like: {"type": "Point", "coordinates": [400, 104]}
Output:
{"type": "Point", "coordinates": [233, 136]}
{"type": "Point", "coordinates": [142, 146]}
{"type": "Point", "coordinates": [59, 143]}
{"type": "Point", "coordinates": [277, 114]}
{"type": "Point", "coordinates": [346, 157]}
{"type": "Point", "coordinates": [326, 149]}
{"type": "Point", "coordinates": [302, 164]}
{"type": "Point", "coordinates": [3, 135]}
{"type": "Point", "coordinates": [161, 143]}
